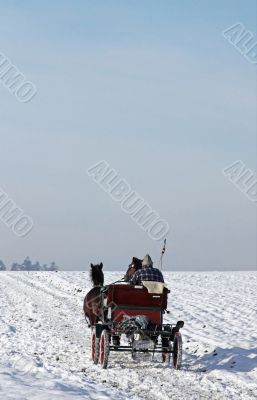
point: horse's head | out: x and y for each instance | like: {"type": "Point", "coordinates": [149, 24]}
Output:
{"type": "Point", "coordinates": [132, 268]}
{"type": "Point", "coordinates": [96, 274]}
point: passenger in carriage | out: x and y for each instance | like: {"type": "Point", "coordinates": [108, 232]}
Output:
{"type": "Point", "coordinates": [146, 273]}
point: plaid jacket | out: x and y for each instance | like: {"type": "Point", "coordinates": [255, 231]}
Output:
{"type": "Point", "coordinates": [146, 274]}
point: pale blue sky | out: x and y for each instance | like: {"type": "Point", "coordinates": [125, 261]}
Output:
{"type": "Point", "coordinates": [153, 88]}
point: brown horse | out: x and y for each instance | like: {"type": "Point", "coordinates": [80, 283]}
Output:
{"type": "Point", "coordinates": [93, 298]}
{"type": "Point", "coordinates": [132, 268]}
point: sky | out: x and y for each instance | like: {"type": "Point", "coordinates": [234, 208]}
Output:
{"type": "Point", "coordinates": [153, 88]}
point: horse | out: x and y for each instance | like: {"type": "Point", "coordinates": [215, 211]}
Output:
{"type": "Point", "coordinates": [92, 301]}
{"type": "Point", "coordinates": [132, 268]}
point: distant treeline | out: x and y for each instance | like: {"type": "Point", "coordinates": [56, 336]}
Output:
{"type": "Point", "coordinates": [27, 265]}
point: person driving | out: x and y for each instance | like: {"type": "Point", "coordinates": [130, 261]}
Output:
{"type": "Point", "coordinates": [146, 273]}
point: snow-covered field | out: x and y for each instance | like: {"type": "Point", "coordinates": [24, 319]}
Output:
{"type": "Point", "coordinates": [45, 344]}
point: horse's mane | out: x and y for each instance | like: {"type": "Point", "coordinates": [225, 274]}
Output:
{"type": "Point", "coordinates": [96, 274]}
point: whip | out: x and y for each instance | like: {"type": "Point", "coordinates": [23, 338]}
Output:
{"type": "Point", "coordinates": [162, 253]}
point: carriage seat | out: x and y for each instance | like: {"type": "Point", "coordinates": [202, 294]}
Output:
{"type": "Point", "coordinates": [154, 287]}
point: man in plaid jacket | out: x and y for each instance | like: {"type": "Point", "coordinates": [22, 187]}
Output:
{"type": "Point", "coordinates": [147, 273]}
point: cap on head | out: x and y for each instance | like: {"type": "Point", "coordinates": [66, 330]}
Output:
{"type": "Point", "coordinates": [147, 261]}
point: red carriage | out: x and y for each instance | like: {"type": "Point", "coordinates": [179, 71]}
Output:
{"type": "Point", "coordinates": [133, 311]}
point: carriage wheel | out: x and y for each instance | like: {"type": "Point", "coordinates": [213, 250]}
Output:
{"type": "Point", "coordinates": [104, 348]}
{"type": "Point", "coordinates": [177, 351]}
{"type": "Point", "coordinates": [95, 347]}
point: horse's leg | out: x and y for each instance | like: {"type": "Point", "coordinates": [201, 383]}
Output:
{"type": "Point", "coordinates": [88, 321]}
{"type": "Point", "coordinates": [87, 312]}
{"type": "Point", "coordinates": [90, 316]}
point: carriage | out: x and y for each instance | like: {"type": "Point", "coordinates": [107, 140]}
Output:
{"type": "Point", "coordinates": [137, 313]}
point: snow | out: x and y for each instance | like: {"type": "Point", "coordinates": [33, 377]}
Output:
{"type": "Point", "coordinates": [45, 343]}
